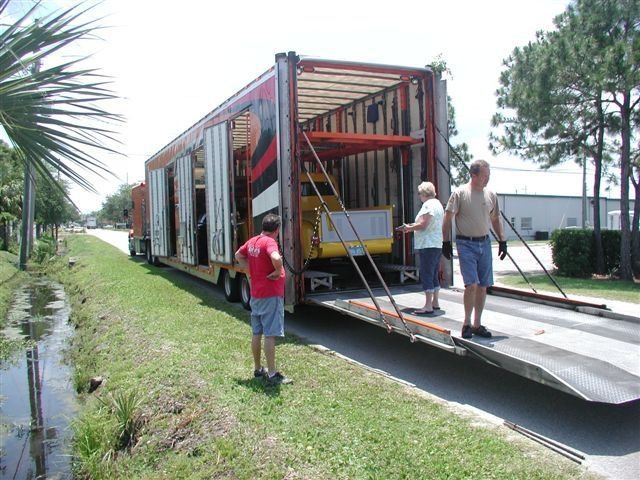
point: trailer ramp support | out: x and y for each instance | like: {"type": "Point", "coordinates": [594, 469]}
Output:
{"type": "Point", "coordinates": [422, 331]}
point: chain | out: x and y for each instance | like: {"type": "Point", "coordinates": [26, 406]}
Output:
{"type": "Point", "coordinates": [312, 247]}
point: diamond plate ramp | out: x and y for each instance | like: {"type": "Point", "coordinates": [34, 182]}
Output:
{"type": "Point", "coordinates": [579, 375]}
{"type": "Point", "coordinates": [588, 356]}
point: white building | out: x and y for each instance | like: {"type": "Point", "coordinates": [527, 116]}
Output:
{"type": "Point", "coordinates": [536, 216]}
{"type": "Point", "coordinates": [614, 219]}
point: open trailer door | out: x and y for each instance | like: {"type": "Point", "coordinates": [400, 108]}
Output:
{"type": "Point", "coordinates": [186, 236]}
{"type": "Point", "coordinates": [216, 165]}
{"type": "Point", "coordinates": [159, 198]}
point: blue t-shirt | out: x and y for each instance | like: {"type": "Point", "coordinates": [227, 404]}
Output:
{"type": "Point", "coordinates": [430, 237]}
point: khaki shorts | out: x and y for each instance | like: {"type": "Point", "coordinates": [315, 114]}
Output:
{"type": "Point", "coordinates": [267, 316]}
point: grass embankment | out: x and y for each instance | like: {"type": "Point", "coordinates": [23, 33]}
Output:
{"type": "Point", "coordinates": [10, 279]}
{"type": "Point", "coordinates": [9, 273]}
{"type": "Point", "coordinates": [605, 288]}
{"type": "Point", "coordinates": [170, 349]}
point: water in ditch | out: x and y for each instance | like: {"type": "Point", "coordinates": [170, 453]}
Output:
{"type": "Point", "coordinates": [37, 398]}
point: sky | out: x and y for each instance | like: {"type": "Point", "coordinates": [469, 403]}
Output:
{"type": "Point", "coordinates": [172, 64]}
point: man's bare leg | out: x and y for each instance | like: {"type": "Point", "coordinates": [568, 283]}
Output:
{"type": "Point", "coordinates": [469, 299]}
{"type": "Point", "coordinates": [270, 353]}
{"type": "Point", "coordinates": [481, 296]}
{"type": "Point", "coordinates": [256, 350]}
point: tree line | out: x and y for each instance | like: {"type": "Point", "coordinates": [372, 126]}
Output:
{"type": "Point", "coordinates": [52, 208]}
{"type": "Point", "coordinates": [573, 94]}
{"type": "Point", "coordinates": [115, 206]}
{"type": "Point", "coordinates": [52, 205]}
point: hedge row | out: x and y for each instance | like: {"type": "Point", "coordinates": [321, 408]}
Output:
{"type": "Point", "coordinates": [574, 252]}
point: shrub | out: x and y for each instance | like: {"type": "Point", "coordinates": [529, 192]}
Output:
{"type": "Point", "coordinates": [573, 251]}
{"type": "Point", "coordinates": [126, 406]}
{"type": "Point", "coordinates": [45, 249]}
{"type": "Point", "coordinates": [611, 250]}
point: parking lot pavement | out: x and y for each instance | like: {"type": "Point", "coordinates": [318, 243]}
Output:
{"type": "Point", "coordinates": [522, 255]}
{"type": "Point", "coordinates": [530, 266]}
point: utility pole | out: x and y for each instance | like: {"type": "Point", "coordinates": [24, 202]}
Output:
{"type": "Point", "coordinates": [26, 235]}
{"type": "Point", "coordinates": [28, 203]}
{"type": "Point", "coordinates": [584, 193]}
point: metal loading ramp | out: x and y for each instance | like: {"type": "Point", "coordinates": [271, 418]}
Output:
{"type": "Point", "coordinates": [589, 356]}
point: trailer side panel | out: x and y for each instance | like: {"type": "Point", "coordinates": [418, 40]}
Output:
{"type": "Point", "coordinates": [216, 161]}
{"type": "Point", "coordinates": [159, 197]}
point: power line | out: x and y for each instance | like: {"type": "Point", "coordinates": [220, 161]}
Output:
{"type": "Point", "coordinates": [536, 170]}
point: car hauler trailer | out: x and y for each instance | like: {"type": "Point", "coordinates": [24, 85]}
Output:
{"type": "Point", "coordinates": [286, 143]}
{"type": "Point", "coordinates": [337, 149]}
{"type": "Point", "coordinates": [139, 240]}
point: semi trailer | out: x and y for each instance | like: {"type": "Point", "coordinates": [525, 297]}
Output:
{"type": "Point", "coordinates": [337, 149]}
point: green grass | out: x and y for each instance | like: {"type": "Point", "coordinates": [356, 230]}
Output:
{"type": "Point", "coordinates": [609, 289]}
{"type": "Point", "coordinates": [94, 434]}
{"type": "Point", "coordinates": [8, 266]}
{"type": "Point", "coordinates": [202, 415]}
{"type": "Point", "coordinates": [10, 279]}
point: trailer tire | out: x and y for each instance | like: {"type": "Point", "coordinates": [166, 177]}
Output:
{"type": "Point", "coordinates": [147, 252]}
{"type": "Point", "coordinates": [230, 286]}
{"type": "Point", "coordinates": [245, 292]}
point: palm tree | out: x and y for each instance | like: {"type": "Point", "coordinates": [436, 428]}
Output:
{"type": "Point", "coordinates": [50, 114]}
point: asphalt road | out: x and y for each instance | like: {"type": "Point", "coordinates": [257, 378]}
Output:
{"type": "Point", "coordinates": [608, 435]}
{"type": "Point", "coordinates": [117, 238]}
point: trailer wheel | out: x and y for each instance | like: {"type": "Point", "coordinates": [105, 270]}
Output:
{"type": "Point", "coordinates": [231, 286]}
{"type": "Point", "coordinates": [245, 292]}
{"type": "Point", "coordinates": [147, 252]}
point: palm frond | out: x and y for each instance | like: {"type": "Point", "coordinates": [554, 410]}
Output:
{"type": "Point", "coordinates": [54, 115]}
